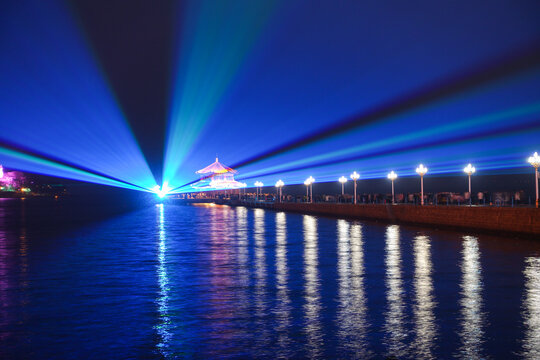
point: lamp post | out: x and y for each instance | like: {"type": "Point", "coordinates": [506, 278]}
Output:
{"type": "Point", "coordinates": [279, 185]}
{"type": "Point", "coordinates": [342, 180]}
{"type": "Point", "coordinates": [535, 162]}
{"type": "Point", "coordinates": [392, 176]}
{"type": "Point", "coordinates": [469, 170]}
{"type": "Point", "coordinates": [355, 176]}
{"type": "Point", "coordinates": [421, 170]}
{"type": "Point", "coordinates": [309, 188]}
{"type": "Point", "coordinates": [258, 185]}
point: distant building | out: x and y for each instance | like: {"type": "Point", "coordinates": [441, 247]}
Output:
{"type": "Point", "coordinates": [11, 180]}
{"type": "Point", "coordinates": [217, 176]}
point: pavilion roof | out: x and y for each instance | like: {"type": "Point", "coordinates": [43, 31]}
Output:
{"type": "Point", "coordinates": [216, 168]}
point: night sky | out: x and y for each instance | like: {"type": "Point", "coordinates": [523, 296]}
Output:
{"type": "Point", "coordinates": [134, 43]}
{"type": "Point", "coordinates": [282, 89]}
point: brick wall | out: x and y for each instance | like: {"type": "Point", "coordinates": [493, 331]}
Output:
{"type": "Point", "coordinates": [504, 219]}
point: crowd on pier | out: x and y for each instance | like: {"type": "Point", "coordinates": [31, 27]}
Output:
{"type": "Point", "coordinates": [484, 198]}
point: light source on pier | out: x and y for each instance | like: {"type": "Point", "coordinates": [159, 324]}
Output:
{"type": "Point", "coordinates": [342, 180]}
{"type": "Point", "coordinates": [258, 185]}
{"type": "Point", "coordinates": [309, 188]}
{"type": "Point", "coordinates": [535, 162]}
{"type": "Point", "coordinates": [469, 170]}
{"type": "Point", "coordinates": [161, 191]}
{"type": "Point", "coordinates": [355, 176]}
{"type": "Point", "coordinates": [421, 170]}
{"type": "Point", "coordinates": [392, 176]}
{"type": "Point", "coordinates": [279, 185]}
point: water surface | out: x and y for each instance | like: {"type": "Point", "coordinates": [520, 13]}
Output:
{"type": "Point", "coordinates": [172, 281]}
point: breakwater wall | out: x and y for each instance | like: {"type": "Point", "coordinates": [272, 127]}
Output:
{"type": "Point", "coordinates": [492, 219]}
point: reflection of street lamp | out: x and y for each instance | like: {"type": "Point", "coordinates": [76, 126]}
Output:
{"type": "Point", "coordinates": [392, 176]}
{"type": "Point", "coordinates": [258, 185]}
{"type": "Point", "coordinates": [535, 161]}
{"type": "Point", "coordinates": [469, 170]}
{"type": "Point", "coordinates": [309, 187]}
{"type": "Point", "coordinates": [421, 170]}
{"type": "Point", "coordinates": [355, 176]}
{"type": "Point", "coordinates": [342, 180]}
{"type": "Point", "coordinates": [279, 185]}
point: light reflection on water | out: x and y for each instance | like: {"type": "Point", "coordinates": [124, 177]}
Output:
{"type": "Point", "coordinates": [472, 316]}
{"type": "Point", "coordinates": [261, 305]}
{"type": "Point", "coordinates": [352, 310]}
{"type": "Point", "coordinates": [226, 282]}
{"type": "Point", "coordinates": [164, 324]}
{"type": "Point", "coordinates": [424, 303]}
{"type": "Point", "coordinates": [283, 306]}
{"type": "Point", "coordinates": [396, 333]}
{"type": "Point", "coordinates": [312, 303]}
{"type": "Point", "coordinates": [531, 309]}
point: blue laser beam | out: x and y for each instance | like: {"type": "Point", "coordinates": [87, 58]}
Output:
{"type": "Point", "coordinates": [54, 100]}
{"type": "Point", "coordinates": [216, 38]}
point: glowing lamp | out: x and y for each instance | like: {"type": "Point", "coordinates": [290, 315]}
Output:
{"type": "Point", "coordinates": [392, 175]}
{"type": "Point", "coordinates": [469, 170]}
{"type": "Point", "coordinates": [535, 162]}
{"type": "Point", "coordinates": [258, 185]}
{"type": "Point", "coordinates": [342, 180]}
{"type": "Point", "coordinates": [309, 187]}
{"type": "Point", "coordinates": [421, 170]}
{"type": "Point", "coordinates": [279, 185]}
{"type": "Point", "coordinates": [355, 176]}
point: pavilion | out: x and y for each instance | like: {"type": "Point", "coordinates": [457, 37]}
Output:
{"type": "Point", "coordinates": [217, 176]}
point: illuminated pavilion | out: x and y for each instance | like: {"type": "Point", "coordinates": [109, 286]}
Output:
{"type": "Point", "coordinates": [217, 176]}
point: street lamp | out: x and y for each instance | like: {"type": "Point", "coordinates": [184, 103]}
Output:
{"type": "Point", "coordinates": [342, 180]}
{"type": "Point", "coordinates": [421, 170]}
{"type": "Point", "coordinates": [258, 185]}
{"type": "Point", "coordinates": [309, 188]}
{"type": "Point", "coordinates": [279, 185]}
{"type": "Point", "coordinates": [535, 162]}
{"type": "Point", "coordinates": [392, 176]}
{"type": "Point", "coordinates": [355, 176]}
{"type": "Point", "coordinates": [469, 170]}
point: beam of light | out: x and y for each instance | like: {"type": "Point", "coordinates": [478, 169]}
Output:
{"type": "Point", "coordinates": [496, 133]}
{"type": "Point", "coordinates": [25, 162]}
{"type": "Point", "coordinates": [55, 102]}
{"type": "Point", "coordinates": [216, 36]}
{"type": "Point", "coordinates": [466, 81]}
{"type": "Point", "coordinates": [416, 138]}
{"type": "Point", "coordinates": [162, 191]}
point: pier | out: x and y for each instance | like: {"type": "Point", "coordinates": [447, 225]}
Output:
{"type": "Point", "coordinates": [511, 220]}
